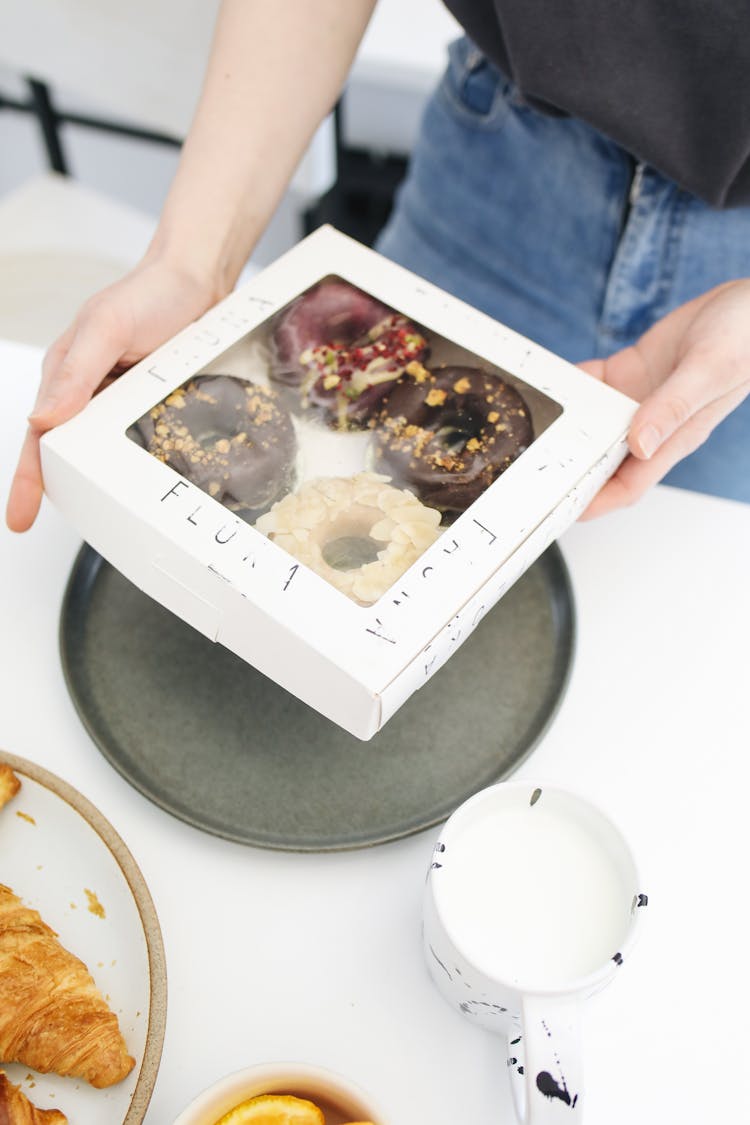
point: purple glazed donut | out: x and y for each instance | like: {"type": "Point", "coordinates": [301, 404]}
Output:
{"type": "Point", "coordinates": [449, 432]}
{"type": "Point", "coordinates": [340, 350]}
{"type": "Point", "coordinates": [231, 438]}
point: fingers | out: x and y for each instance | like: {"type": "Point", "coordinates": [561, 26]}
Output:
{"type": "Point", "coordinates": [75, 366]}
{"type": "Point", "coordinates": [710, 357]}
{"type": "Point", "coordinates": [25, 495]}
{"type": "Point", "coordinates": [686, 385]}
{"type": "Point", "coordinates": [635, 476]}
{"type": "Point", "coordinates": [26, 490]}
{"type": "Point", "coordinates": [115, 329]}
{"type": "Point", "coordinates": [693, 386]}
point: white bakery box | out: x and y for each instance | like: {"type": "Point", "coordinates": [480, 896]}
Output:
{"type": "Point", "coordinates": [381, 588]}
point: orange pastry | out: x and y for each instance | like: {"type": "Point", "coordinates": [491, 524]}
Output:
{"type": "Point", "coordinates": [52, 1016]}
{"type": "Point", "coordinates": [9, 784]}
{"type": "Point", "coordinates": [16, 1109]}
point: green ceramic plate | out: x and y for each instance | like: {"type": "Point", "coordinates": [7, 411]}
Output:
{"type": "Point", "coordinates": [214, 742]}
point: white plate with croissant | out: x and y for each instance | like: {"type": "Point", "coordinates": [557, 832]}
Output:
{"type": "Point", "coordinates": [82, 974]}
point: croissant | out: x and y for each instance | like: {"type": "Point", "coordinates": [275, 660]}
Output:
{"type": "Point", "coordinates": [9, 784]}
{"type": "Point", "coordinates": [52, 1016]}
{"type": "Point", "coordinates": [16, 1109]}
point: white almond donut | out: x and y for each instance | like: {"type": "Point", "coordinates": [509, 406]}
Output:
{"type": "Point", "coordinates": [359, 533]}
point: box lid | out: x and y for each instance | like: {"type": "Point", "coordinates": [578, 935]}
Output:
{"type": "Point", "coordinates": [207, 564]}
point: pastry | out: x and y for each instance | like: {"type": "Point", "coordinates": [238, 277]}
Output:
{"type": "Point", "coordinates": [358, 533]}
{"type": "Point", "coordinates": [341, 350]}
{"type": "Point", "coordinates": [9, 786]}
{"type": "Point", "coordinates": [449, 432]}
{"type": "Point", "coordinates": [231, 438]}
{"type": "Point", "coordinates": [16, 1109]}
{"type": "Point", "coordinates": [52, 1016]}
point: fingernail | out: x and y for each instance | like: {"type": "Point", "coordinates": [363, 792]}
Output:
{"type": "Point", "coordinates": [648, 440]}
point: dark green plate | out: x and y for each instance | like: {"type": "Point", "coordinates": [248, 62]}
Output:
{"type": "Point", "coordinates": [214, 742]}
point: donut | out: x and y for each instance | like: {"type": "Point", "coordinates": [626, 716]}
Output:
{"type": "Point", "coordinates": [359, 533]}
{"type": "Point", "coordinates": [449, 432]}
{"type": "Point", "coordinates": [231, 438]}
{"type": "Point", "coordinates": [341, 350]}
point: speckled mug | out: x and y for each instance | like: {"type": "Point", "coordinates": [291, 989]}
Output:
{"type": "Point", "coordinates": [532, 905]}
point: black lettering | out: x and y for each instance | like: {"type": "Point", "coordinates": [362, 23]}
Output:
{"type": "Point", "coordinates": [234, 320]}
{"type": "Point", "coordinates": [228, 538]}
{"type": "Point", "coordinates": [218, 573]}
{"type": "Point", "coordinates": [491, 534]}
{"type": "Point", "coordinates": [381, 635]}
{"type": "Point", "coordinates": [173, 489]}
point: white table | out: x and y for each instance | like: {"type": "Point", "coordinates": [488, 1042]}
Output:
{"type": "Point", "coordinates": [654, 727]}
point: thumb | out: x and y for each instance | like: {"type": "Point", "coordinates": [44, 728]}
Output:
{"type": "Point", "coordinates": [74, 375]}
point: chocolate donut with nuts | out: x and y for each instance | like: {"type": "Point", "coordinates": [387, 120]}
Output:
{"type": "Point", "coordinates": [231, 438]}
{"type": "Point", "coordinates": [449, 432]}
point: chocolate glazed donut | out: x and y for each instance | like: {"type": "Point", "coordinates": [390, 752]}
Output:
{"type": "Point", "coordinates": [449, 432]}
{"type": "Point", "coordinates": [341, 350]}
{"type": "Point", "coordinates": [229, 437]}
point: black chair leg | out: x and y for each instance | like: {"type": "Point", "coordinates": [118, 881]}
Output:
{"type": "Point", "coordinates": [49, 123]}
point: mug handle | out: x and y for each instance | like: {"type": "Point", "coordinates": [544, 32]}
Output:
{"type": "Point", "coordinates": [545, 1063]}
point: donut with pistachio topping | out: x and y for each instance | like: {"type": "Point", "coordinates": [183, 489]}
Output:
{"type": "Point", "coordinates": [341, 351]}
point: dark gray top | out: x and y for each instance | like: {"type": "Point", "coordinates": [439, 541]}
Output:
{"type": "Point", "coordinates": [668, 80]}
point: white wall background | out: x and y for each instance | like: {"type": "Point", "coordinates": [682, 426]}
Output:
{"type": "Point", "coordinates": [106, 58]}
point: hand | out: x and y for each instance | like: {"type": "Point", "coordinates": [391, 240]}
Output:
{"type": "Point", "coordinates": [113, 330]}
{"type": "Point", "coordinates": [689, 371]}
{"type": "Point", "coordinates": [229, 181]}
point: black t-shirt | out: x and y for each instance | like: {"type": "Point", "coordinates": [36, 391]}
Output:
{"type": "Point", "coordinates": [668, 80]}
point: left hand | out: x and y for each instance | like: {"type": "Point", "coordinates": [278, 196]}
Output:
{"type": "Point", "coordinates": [689, 371]}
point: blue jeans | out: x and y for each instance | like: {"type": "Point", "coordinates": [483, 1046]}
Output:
{"type": "Point", "coordinates": [537, 221]}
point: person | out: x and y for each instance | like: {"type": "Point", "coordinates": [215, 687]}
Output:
{"type": "Point", "coordinates": [581, 174]}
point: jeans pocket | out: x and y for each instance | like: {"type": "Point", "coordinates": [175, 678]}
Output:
{"type": "Point", "coordinates": [475, 90]}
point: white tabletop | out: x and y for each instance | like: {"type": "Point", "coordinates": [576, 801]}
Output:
{"type": "Point", "coordinates": [317, 957]}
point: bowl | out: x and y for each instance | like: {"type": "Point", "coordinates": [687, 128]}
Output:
{"type": "Point", "coordinates": [340, 1100]}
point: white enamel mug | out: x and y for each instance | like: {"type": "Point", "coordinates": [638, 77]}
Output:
{"type": "Point", "coordinates": [533, 903]}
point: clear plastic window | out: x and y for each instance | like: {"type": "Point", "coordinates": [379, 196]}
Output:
{"type": "Point", "coordinates": [347, 433]}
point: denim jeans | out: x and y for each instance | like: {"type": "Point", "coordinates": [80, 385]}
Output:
{"type": "Point", "coordinates": [550, 227]}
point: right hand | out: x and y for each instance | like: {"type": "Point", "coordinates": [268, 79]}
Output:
{"type": "Point", "coordinates": [113, 330]}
